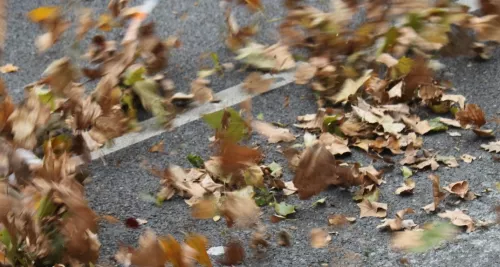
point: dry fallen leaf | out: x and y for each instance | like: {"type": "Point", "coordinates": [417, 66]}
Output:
{"type": "Point", "coordinates": [372, 209]}
{"type": "Point", "coordinates": [350, 87]}
{"type": "Point", "coordinates": [158, 147]}
{"type": "Point", "coordinates": [274, 134]}
{"type": "Point", "coordinates": [8, 68]}
{"type": "Point", "coordinates": [472, 114]}
{"type": "Point", "coordinates": [304, 73]}
{"type": "Point", "coordinates": [340, 220]}
{"type": "Point", "coordinates": [458, 218]}
{"type": "Point", "coordinates": [407, 187]}
{"type": "Point", "coordinates": [398, 223]}
{"type": "Point", "coordinates": [492, 147]}
{"type": "Point", "coordinates": [436, 193]}
{"type": "Point", "coordinates": [459, 188]}
{"type": "Point", "coordinates": [467, 158]}
{"type": "Point", "coordinates": [319, 238]}
{"type": "Point", "coordinates": [202, 93]}
{"type": "Point", "coordinates": [240, 210]}
{"type": "Point", "coordinates": [233, 253]}
{"type": "Point", "coordinates": [254, 83]}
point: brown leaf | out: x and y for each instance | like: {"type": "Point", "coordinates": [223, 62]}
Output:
{"type": "Point", "coordinates": [234, 158]}
{"type": "Point", "coordinates": [284, 239]}
{"type": "Point", "coordinates": [319, 238]}
{"type": "Point", "coordinates": [472, 114]}
{"type": "Point", "coordinates": [85, 23]}
{"type": "Point", "coordinates": [459, 188]}
{"type": "Point", "coordinates": [458, 218]}
{"type": "Point", "coordinates": [492, 147]}
{"type": "Point", "coordinates": [274, 134]}
{"type": "Point", "coordinates": [240, 210]}
{"type": "Point", "coordinates": [340, 220]}
{"type": "Point", "coordinates": [110, 219]}
{"type": "Point", "coordinates": [312, 121]}
{"type": "Point", "coordinates": [304, 73]}
{"type": "Point", "coordinates": [467, 158]}
{"type": "Point", "coordinates": [318, 169]}
{"type": "Point", "coordinates": [202, 93]}
{"type": "Point", "coordinates": [334, 144]}
{"type": "Point", "coordinates": [372, 209]}
{"type": "Point", "coordinates": [205, 208]}
{"type": "Point", "coordinates": [174, 252]}
{"type": "Point", "coordinates": [371, 175]}
{"type": "Point", "coordinates": [233, 253]}
{"type": "Point", "coordinates": [407, 187]}
{"type": "Point", "coordinates": [158, 147]}
{"type": "Point", "coordinates": [254, 83]}
{"type": "Point", "coordinates": [398, 223]}
{"type": "Point", "coordinates": [420, 127]}
{"type": "Point", "coordinates": [436, 193]}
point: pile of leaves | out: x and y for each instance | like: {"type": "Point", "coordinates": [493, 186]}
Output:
{"type": "Point", "coordinates": [370, 78]}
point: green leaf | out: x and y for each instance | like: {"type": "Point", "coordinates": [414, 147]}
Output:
{"type": "Point", "coordinates": [46, 207]}
{"type": "Point", "coordinates": [133, 75]}
{"type": "Point", "coordinates": [329, 123]}
{"type": "Point", "coordinates": [415, 21]}
{"type": "Point", "coordinates": [276, 169]}
{"type": "Point", "coordinates": [373, 195]}
{"type": "Point", "coordinates": [284, 209]}
{"type": "Point", "coordinates": [434, 235]}
{"type": "Point", "coordinates": [497, 185]}
{"type": "Point", "coordinates": [403, 67]}
{"type": "Point", "coordinates": [263, 197]}
{"type": "Point", "coordinates": [237, 127]}
{"type": "Point", "coordinates": [195, 160]}
{"type": "Point", "coordinates": [260, 116]}
{"type": "Point", "coordinates": [147, 91]}
{"type": "Point", "coordinates": [47, 97]}
{"type": "Point", "coordinates": [390, 39]}
{"type": "Point", "coordinates": [320, 201]}
{"type": "Point", "coordinates": [215, 60]}
{"type": "Point", "coordinates": [406, 172]}
{"type": "Point", "coordinates": [437, 126]}
{"type": "Point", "coordinates": [147, 197]}
{"type": "Point", "coordinates": [440, 108]}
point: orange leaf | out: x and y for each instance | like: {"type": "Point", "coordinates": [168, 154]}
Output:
{"type": "Point", "coordinates": [43, 13]}
{"type": "Point", "coordinates": [199, 243]}
{"type": "Point", "coordinates": [173, 251]}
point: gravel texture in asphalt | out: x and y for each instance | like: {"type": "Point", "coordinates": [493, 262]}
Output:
{"type": "Point", "coordinates": [116, 187]}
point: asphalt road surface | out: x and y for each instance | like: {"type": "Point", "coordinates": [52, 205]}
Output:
{"type": "Point", "coordinates": [117, 186]}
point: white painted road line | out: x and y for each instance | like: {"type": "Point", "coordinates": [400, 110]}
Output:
{"type": "Point", "coordinates": [228, 97]}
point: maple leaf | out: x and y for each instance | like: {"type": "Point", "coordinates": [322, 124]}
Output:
{"type": "Point", "coordinates": [318, 169]}
{"type": "Point", "coordinates": [312, 121]}
{"type": "Point", "coordinates": [472, 114]}
{"type": "Point", "coordinates": [334, 144]}
{"type": "Point", "coordinates": [420, 127]}
{"type": "Point", "coordinates": [492, 147]}
{"type": "Point", "coordinates": [274, 134]}
{"type": "Point", "coordinates": [458, 218]}
{"type": "Point", "coordinates": [340, 220]}
{"type": "Point", "coordinates": [254, 83]}
{"type": "Point", "coordinates": [398, 223]}
{"type": "Point", "coordinates": [350, 87]}
{"type": "Point", "coordinates": [319, 238]}
{"type": "Point", "coordinates": [275, 57]}
{"type": "Point", "coordinates": [150, 252]}
{"type": "Point", "coordinates": [372, 209]}
{"type": "Point", "coordinates": [459, 188]}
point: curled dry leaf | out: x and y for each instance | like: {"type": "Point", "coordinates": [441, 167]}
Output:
{"type": "Point", "coordinates": [254, 83]}
{"type": "Point", "coordinates": [436, 193]}
{"type": "Point", "coordinates": [467, 158]}
{"type": "Point", "coordinates": [398, 223]}
{"type": "Point", "coordinates": [319, 238]}
{"type": "Point", "coordinates": [406, 188]}
{"type": "Point", "coordinates": [350, 87]}
{"type": "Point", "coordinates": [334, 144]}
{"type": "Point", "coordinates": [472, 114]}
{"type": "Point", "coordinates": [460, 188]}
{"type": "Point", "coordinates": [202, 93]}
{"type": "Point", "coordinates": [420, 127]}
{"type": "Point", "coordinates": [372, 209]}
{"type": "Point", "coordinates": [312, 121]}
{"type": "Point", "coordinates": [274, 134]}
{"type": "Point", "coordinates": [458, 218]}
{"type": "Point", "coordinates": [420, 240]}
{"type": "Point", "coordinates": [284, 239]}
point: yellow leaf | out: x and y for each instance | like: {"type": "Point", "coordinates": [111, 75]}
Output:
{"type": "Point", "coordinates": [173, 251]}
{"type": "Point", "coordinates": [199, 243]}
{"type": "Point", "coordinates": [43, 13]}
{"type": "Point", "coordinates": [104, 22]}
